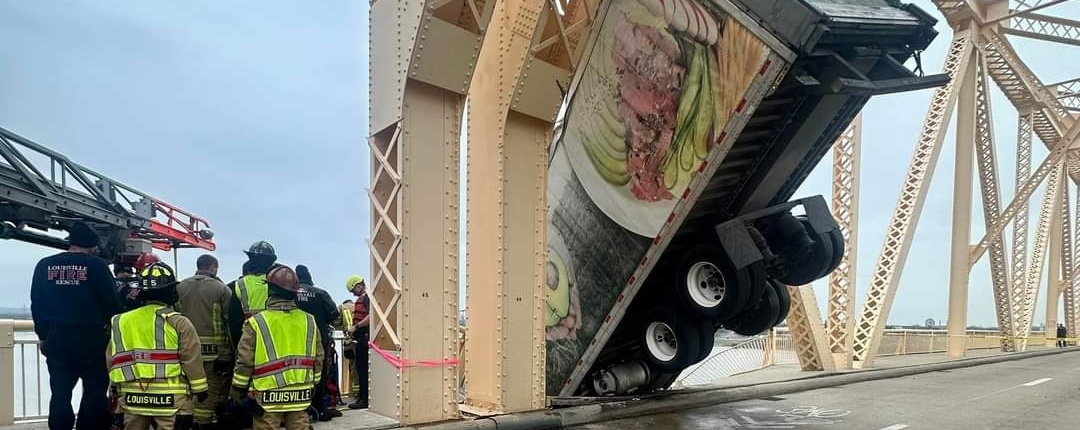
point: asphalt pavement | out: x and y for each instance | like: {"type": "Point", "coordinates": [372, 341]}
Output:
{"type": "Point", "coordinates": [1030, 394]}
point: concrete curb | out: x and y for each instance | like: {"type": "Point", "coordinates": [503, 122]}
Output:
{"type": "Point", "coordinates": [683, 400]}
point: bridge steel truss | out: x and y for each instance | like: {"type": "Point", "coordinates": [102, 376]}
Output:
{"type": "Point", "coordinates": [423, 57]}
{"type": "Point", "coordinates": [980, 52]}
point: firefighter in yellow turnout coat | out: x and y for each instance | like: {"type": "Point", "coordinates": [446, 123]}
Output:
{"type": "Point", "coordinates": [279, 357]}
{"type": "Point", "coordinates": [155, 358]}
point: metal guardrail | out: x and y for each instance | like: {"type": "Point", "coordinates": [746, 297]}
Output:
{"type": "Point", "coordinates": [24, 378]}
{"type": "Point", "coordinates": [778, 347]}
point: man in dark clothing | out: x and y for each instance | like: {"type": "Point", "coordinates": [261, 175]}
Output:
{"type": "Point", "coordinates": [319, 304]}
{"type": "Point", "coordinates": [359, 331]}
{"type": "Point", "coordinates": [72, 298]}
{"type": "Point", "coordinates": [127, 287]}
{"type": "Point", "coordinates": [1062, 333]}
{"type": "Point", "coordinates": [261, 256]}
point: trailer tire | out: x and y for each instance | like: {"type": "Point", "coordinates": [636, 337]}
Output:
{"type": "Point", "coordinates": [815, 264]}
{"type": "Point", "coordinates": [758, 318]}
{"type": "Point", "coordinates": [710, 286]}
{"type": "Point", "coordinates": [759, 282]}
{"type": "Point", "coordinates": [784, 298]}
{"type": "Point", "coordinates": [837, 249]}
{"type": "Point", "coordinates": [708, 338]}
{"type": "Point", "coordinates": [670, 341]}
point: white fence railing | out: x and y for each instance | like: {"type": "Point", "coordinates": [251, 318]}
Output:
{"type": "Point", "coordinates": [24, 377]}
{"type": "Point", "coordinates": [777, 347]}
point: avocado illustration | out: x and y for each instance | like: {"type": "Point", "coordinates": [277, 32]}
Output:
{"type": "Point", "coordinates": [557, 299]}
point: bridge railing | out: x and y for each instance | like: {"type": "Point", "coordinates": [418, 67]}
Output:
{"type": "Point", "coordinates": [777, 347]}
{"type": "Point", "coordinates": [24, 377]}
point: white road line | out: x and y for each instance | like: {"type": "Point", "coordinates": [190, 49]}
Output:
{"type": "Point", "coordinates": [1037, 382]}
{"type": "Point", "coordinates": [895, 427]}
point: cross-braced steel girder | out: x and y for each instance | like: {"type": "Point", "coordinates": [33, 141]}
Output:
{"type": "Point", "coordinates": [901, 227]}
{"type": "Point", "coordinates": [845, 189]}
{"type": "Point", "coordinates": [421, 63]}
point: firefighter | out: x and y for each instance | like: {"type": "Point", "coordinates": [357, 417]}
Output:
{"type": "Point", "coordinates": [154, 357]}
{"type": "Point", "coordinates": [320, 305]}
{"type": "Point", "coordinates": [249, 292]}
{"type": "Point", "coordinates": [360, 333]}
{"type": "Point", "coordinates": [203, 300]}
{"type": "Point", "coordinates": [71, 301]}
{"type": "Point", "coordinates": [279, 357]}
{"type": "Point", "coordinates": [347, 345]}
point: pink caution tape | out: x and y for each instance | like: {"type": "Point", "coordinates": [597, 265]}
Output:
{"type": "Point", "coordinates": [402, 363]}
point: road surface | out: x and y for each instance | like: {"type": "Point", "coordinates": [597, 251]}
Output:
{"type": "Point", "coordinates": [1030, 394]}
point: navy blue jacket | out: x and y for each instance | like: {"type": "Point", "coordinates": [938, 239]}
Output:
{"type": "Point", "coordinates": [72, 289]}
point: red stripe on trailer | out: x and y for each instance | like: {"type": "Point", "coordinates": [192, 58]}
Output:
{"type": "Point", "coordinates": [765, 67]}
{"type": "Point", "coordinates": [656, 240]}
{"type": "Point", "coordinates": [742, 104]}
{"type": "Point", "coordinates": [644, 260]}
{"type": "Point", "coordinates": [608, 319]}
{"type": "Point", "coordinates": [670, 217]}
{"type": "Point", "coordinates": [621, 297]}
{"type": "Point", "coordinates": [686, 192]}
{"type": "Point", "coordinates": [632, 279]}
{"type": "Point", "coordinates": [723, 134]}
{"type": "Point", "coordinates": [701, 168]}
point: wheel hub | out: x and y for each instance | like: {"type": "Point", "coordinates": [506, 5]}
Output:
{"type": "Point", "coordinates": [706, 284]}
{"type": "Point", "coordinates": [661, 342]}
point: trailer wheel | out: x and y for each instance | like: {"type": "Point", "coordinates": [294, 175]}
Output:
{"type": "Point", "coordinates": [784, 299]}
{"type": "Point", "coordinates": [758, 318]}
{"type": "Point", "coordinates": [759, 281]}
{"type": "Point", "coordinates": [671, 341]}
{"type": "Point", "coordinates": [815, 264]}
{"type": "Point", "coordinates": [709, 284]}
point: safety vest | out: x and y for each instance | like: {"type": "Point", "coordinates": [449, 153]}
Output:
{"type": "Point", "coordinates": [252, 291]}
{"type": "Point", "coordinates": [145, 362]}
{"type": "Point", "coordinates": [284, 374]}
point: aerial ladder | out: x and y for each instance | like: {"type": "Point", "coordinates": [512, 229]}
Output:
{"type": "Point", "coordinates": [42, 190]}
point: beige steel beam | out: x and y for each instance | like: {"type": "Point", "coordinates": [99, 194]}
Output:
{"type": "Point", "coordinates": [1020, 226]}
{"type": "Point", "coordinates": [1052, 161]}
{"type": "Point", "coordinates": [986, 155]}
{"type": "Point", "coordinates": [901, 227]}
{"type": "Point", "coordinates": [1044, 27]}
{"type": "Point", "coordinates": [421, 63]}
{"type": "Point", "coordinates": [530, 47]}
{"type": "Point", "coordinates": [1065, 220]}
{"type": "Point", "coordinates": [807, 334]}
{"type": "Point", "coordinates": [1074, 279]}
{"type": "Point", "coordinates": [961, 211]}
{"type": "Point", "coordinates": [1054, 283]}
{"type": "Point", "coordinates": [845, 189]}
{"type": "Point", "coordinates": [1038, 256]}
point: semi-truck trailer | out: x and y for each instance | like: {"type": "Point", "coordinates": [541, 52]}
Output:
{"type": "Point", "coordinates": [683, 137]}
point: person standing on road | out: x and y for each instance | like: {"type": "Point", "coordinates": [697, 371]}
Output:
{"type": "Point", "coordinates": [203, 299]}
{"type": "Point", "coordinates": [155, 358]}
{"type": "Point", "coordinates": [72, 297]}
{"type": "Point", "coordinates": [250, 292]}
{"type": "Point", "coordinates": [348, 345]}
{"type": "Point", "coordinates": [317, 302]}
{"type": "Point", "coordinates": [359, 330]}
{"type": "Point", "coordinates": [1062, 333]}
{"type": "Point", "coordinates": [279, 357]}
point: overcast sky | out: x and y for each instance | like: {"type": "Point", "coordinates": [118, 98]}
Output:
{"type": "Point", "coordinates": [253, 114]}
